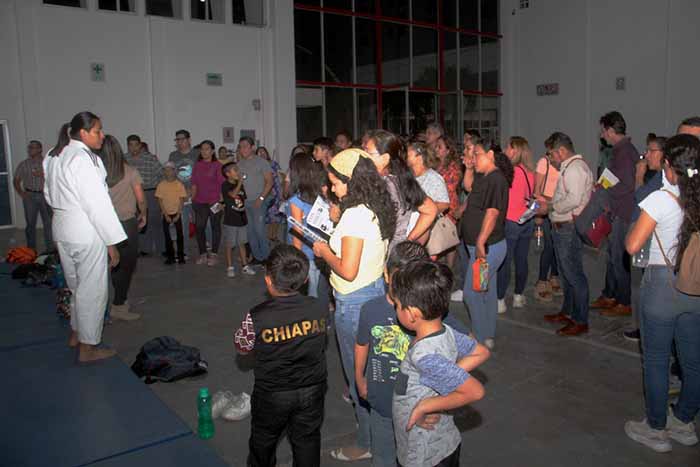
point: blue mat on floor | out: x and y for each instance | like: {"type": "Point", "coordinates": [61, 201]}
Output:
{"type": "Point", "coordinates": [185, 451]}
{"type": "Point", "coordinates": [60, 413]}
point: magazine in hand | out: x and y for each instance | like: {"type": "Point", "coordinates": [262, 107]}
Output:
{"type": "Point", "coordinates": [309, 234]}
{"type": "Point", "coordinates": [319, 217]}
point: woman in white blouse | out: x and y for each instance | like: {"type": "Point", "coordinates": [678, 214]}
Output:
{"type": "Point", "coordinates": [669, 217]}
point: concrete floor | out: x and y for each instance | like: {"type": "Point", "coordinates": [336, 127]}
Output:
{"type": "Point", "coordinates": [550, 401]}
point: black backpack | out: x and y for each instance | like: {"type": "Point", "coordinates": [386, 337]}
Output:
{"type": "Point", "coordinates": [165, 359]}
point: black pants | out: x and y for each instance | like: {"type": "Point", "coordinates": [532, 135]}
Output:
{"type": "Point", "coordinates": [169, 251]}
{"type": "Point", "coordinates": [202, 214]}
{"type": "Point", "coordinates": [128, 254]}
{"type": "Point", "coordinates": [299, 412]}
{"type": "Point", "coordinates": [450, 461]}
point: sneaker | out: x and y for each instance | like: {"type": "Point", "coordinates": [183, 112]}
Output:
{"type": "Point", "coordinates": [230, 272]}
{"type": "Point", "coordinates": [213, 259]}
{"type": "Point", "coordinates": [202, 259]}
{"type": "Point", "coordinates": [684, 433]}
{"type": "Point", "coordinates": [543, 291]}
{"type": "Point", "coordinates": [457, 296]}
{"type": "Point", "coordinates": [642, 433]}
{"type": "Point", "coordinates": [502, 307]}
{"type": "Point", "coordinates": [489, 344]}
{"type": "Point", "coordinates": [248, 270]}
{"type": "Point", "coordinates": [632, 336]}
{"type": "Point", "coordinates": [519, 301]}
{"type": "Point", "coordinates": [121, 312]}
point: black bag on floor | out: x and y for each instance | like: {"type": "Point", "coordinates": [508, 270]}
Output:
{"type": "Point", "coordinates": [165, 359]}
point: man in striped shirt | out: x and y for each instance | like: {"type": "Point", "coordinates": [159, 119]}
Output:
{"type": "Point", "coordinates": [151, 171]}
{"type": "Point", "coordinates": [29, 184]}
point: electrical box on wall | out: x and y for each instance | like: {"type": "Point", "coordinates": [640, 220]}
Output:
{"type": "Point", "coordinates": [620, 83]}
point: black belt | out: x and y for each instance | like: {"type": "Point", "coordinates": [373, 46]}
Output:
{"type": "Point", "coordinates": [33, 191]}
{"type": "Point", "coordinates": [149, 189]}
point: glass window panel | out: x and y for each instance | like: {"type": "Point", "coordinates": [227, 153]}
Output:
{"type": "Point", "coordinates": [167, 8]}
{"type": "Point", "coordinates": [468, 62]}
{"type": "Point", "coordinates": [449, 13]}
{"type": "Point", "coordinates": [342, 4]}
{"type": "Point", "coordinates": [421, 111]}
{"type": "Point", "coordinates": [490, 112]}
{"type": "Point", "coordinates": [5, 208]}
{"type": "Point", "coordinates": [490, 63]}
{"type": "Point", "coordinates": [449, 111]}
{"type": "Point", "coordinates": [366, 58]}
{"type": "Point", "coordinates": [107, 5]}
{"type": "Point", "coordinates": [3, 148]}
{"type": "Point", "coordinates": [73, 3]}
{"type": "Point", "coordinates": [470, 108]}
{"type": "Point", "coordinates": [309, 2]}
{"type": "Point", "coordinates": [249, 12]}
{"type": "Point", "coordinates": [307, 45]}
{"type": "Point", "coordinates": [395, 50]}
{"type": "Point", "coordinates": [395, 8]}
{"type": "Point", "coordinates": [425, 62]}
{"type": "Point", "coordinates": [469, 14]}
{"type": "Point", "coordinates": [366, 111]}
{"type": "Point", "coordinates": [394, 112]}
{"type": "Point", "coordinates": [202, 10]}
{"type": "Point", "coordinates": [309, 114]}
{"type": "Point", "coordinates": [449, 59]}
{"type": "Point", "coordinates": [338, 48]}
{"type": "Point", "coordinates": [489, 16]}
{"type": "Point", "coordinates": [425, 10]}
{"type": "Point", "coordinates": [365, 6]}
{"type": "Point", "coordinates": [339, 113]}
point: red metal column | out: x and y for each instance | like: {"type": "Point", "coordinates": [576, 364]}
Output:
{"type": "Point", "coordinates": [378, 56]}
{"type": "Point", "coordinates": [441, 64]}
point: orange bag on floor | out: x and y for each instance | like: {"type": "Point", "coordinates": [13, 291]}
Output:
{"type": "Point", "coordinates": [21, 255]}
{"type": "Point", "coordinates": [480, 275]}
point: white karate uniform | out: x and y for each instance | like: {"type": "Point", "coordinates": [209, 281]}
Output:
{"type": "Point", "coordinates": [84, 224]}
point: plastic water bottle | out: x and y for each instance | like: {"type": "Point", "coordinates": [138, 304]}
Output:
{"type": "Point", "coordinates": [539, 237]}
{"type": "Point", "coordinates": [206, 423]}
{"type": "Point", "coordinates": [641, 258]}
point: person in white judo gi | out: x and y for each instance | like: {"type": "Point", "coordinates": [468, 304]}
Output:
{"type": "Point", "coordinates": [86, 228]}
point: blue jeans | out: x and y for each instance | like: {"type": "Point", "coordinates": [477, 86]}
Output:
{"type": "Point", "coordinates": [617, 272]}
{"type": "Point", "coordinates": [518, 245]}
{"type": "Point", "coordinates": [383, 443]}
{"type": "Point", "coordinates": [483, 306]}
{"type": "Point", "coordinates": [347, 315]}
{"type": "Point", "coordinates": [257, 231]}
{"type": "Point", "coordinates": [567, 248]}
{"type": "Point", "coordinates": [548, 262]}
{"type": "Point", "coordinates": [35, 205]}
{"type": "Point", "coordinates": [667, 315]}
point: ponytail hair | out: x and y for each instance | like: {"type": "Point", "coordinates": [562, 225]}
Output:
{"type": "Point", "coordinates": [63, 140]}
{"type": "Point", "coordinates": [82, 121]}
{"type": "Point", "coordinates": [500, 160]}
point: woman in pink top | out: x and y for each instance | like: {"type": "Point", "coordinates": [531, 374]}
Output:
{"type": "Point", "coordinates": [546, 177]}
{"type": "Point", "coordinates": [206, 192]}
{"type": "Point", "coordinates": [517, 235]}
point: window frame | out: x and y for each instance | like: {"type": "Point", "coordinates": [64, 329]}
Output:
{"type": "Point", "coordinates": [379, 87]}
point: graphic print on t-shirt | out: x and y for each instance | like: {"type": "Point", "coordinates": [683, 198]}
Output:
{"type": "Point", "coordinates": [391, 342]}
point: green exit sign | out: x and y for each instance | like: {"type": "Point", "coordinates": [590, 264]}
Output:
{"type": "Point", "coordinates": [97, 72]}
{"type": "Point", "coordinates": [215, 79]}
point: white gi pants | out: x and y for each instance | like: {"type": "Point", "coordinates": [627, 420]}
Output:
{"type": "Point", "coordinates": [85, 267]}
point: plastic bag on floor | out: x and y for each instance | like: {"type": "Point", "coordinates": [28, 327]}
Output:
{"type": "Point", "coordinates": [229, 406]}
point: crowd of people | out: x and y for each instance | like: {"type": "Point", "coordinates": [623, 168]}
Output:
{"type": "Point", "coordinates": [405, 359]}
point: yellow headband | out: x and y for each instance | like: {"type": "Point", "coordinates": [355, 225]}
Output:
{"type": "Point", "coordinates": [345, 161]}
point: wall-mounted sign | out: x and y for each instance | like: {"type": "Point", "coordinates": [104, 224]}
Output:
{"type": "Point", "coordinates": [549, 89]}
{"type": "Point", "coordinates": [97, 72]}
{"type": "Point", "coordinates": [229, 137]}
{"type": "Point", "coordinates": [215, 79]}
{"type": "Point", "coordinates": [620, 83]}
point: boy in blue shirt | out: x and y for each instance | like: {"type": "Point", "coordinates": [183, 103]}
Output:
{"type": "Point", "coordinates": [381, 345]}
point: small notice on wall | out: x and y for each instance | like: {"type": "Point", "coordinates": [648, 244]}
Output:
{"type": "Point", "coordinates": [549, 89]}
{"type": "Point", "coordinates": [215, 79]}
{"type": "Point", "coordinates": [229, 137]}
{"type": "Point", "coordinates": [97, 72]}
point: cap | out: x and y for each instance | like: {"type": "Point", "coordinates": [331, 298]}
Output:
{"type": "Point", "coordinates": [345, 161]}
{"type": "Point", "coordinates": [204, 392]}
{"type": "Point", "coordinates": [170, 165]}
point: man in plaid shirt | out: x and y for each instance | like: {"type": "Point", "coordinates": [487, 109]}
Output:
{"type": "Point", "coordinates": [151, 171]}
{"type": "Point", "coordinates": [29, 184]}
